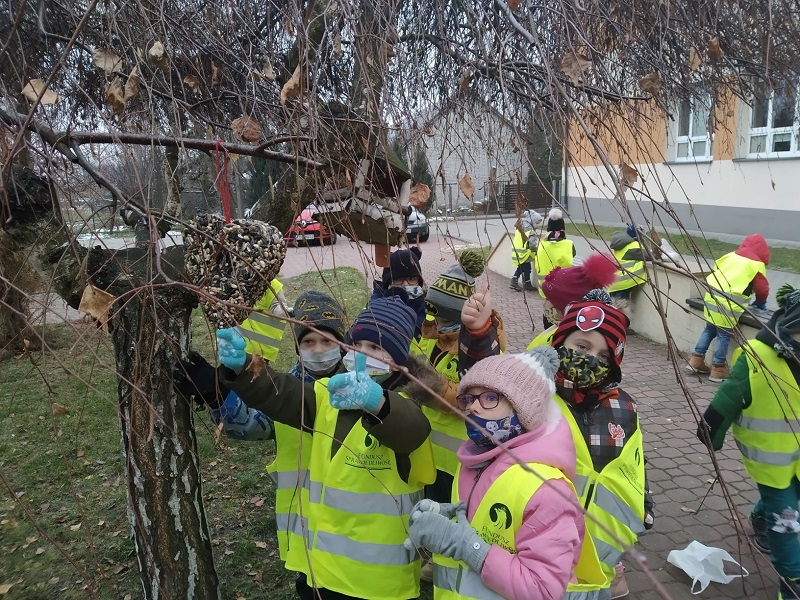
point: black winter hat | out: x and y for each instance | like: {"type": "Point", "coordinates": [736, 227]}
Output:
{"type": "Point", "coordinates": [555, 220]}
{"type": "Point", "coordinates": [403, 263]}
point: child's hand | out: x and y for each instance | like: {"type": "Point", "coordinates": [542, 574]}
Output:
{"type": "Point", "coordinates": [230, 346]}
{"type": "Point", "coordinates": [477, 310]}
{"type": "Point", "coordinates": [355, 390]}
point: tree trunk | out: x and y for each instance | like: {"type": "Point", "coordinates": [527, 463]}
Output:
{"type": "Point", "coordinates": [159, 447]}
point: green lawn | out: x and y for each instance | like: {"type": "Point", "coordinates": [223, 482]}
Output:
{"type": "Point", "coordinates": [60, 454]}
{"type": "Point", "coordinates": [781, 259]}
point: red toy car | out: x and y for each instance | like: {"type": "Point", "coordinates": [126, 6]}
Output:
{"type": "Point", "coordinates": [306, 229]}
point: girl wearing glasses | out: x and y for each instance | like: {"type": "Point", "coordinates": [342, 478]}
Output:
{"type": "Point", "coordinates": [514, 528]}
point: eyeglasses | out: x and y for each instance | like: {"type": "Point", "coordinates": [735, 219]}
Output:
{"type": "Point", "coordinates": [487, 400]}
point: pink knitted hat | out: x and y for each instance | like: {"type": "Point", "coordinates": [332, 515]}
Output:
{"type": "Point", "coordinates": [527, 380]}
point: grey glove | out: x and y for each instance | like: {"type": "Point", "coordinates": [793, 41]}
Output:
{"type": "Point", "coordinates": [453, 539]}
{"type": "Point", "coordinates": [445, 509]}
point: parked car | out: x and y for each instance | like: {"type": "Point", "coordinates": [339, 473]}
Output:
{"type": "Point", "coordinates": [417, 227]}
{"type": "Point", "coordinates": [307, 229]}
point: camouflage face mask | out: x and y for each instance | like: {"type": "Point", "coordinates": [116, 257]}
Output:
{"type": "Point", "coordinates": [585, 371]}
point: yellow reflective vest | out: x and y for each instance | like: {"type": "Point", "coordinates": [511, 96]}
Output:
{"type": "Point", "coordinates": [545, 338]}
{"type": "Point", "coordinates": [263, 332]}
{"type": "Point", "coordinates": [358, 512]}
{"type": "Point", "coordinates": [520, 253]}
{"type": "Point", "coordinates": [768, 431]}
{"type": "Point", "coordinates": [725, 301]}
{"type": "Point", "coordinates": [513, 489]}
{"type": "Point", "coordinates": [614, 496]}
{"type": "Point", "coordinates": [631, 272]}
{"type": "Point", "coordinates": [549, 255]}
{"type": "Point", "coordinates": [448, 432]}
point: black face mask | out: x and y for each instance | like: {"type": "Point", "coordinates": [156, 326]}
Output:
{"type": "Point", "coordinates": [584, 370]}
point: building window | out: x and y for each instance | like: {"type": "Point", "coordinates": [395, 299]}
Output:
{"type": "Point", "coordinates": [773, 121]}
{"type": "Point", "coordinates": [693, 143]}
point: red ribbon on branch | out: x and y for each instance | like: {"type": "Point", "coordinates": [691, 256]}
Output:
{"type": "Point", "coordinates": [224, 179]}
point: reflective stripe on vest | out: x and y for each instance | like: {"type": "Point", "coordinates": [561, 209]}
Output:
{"type": "Point", "coordinates": [498, 518]}
{"type": "Point", "coordinates": [631, 272]}
{"type": "Point", "coordinates": [520, 253]}
{"type": "Point", "coordinates": [358, 512]}
{"type": "Point", "coordinates": [262, 331]}
{"type": "Point", "coordinates": [549, 255]}
{"type": "Point", "coordinates": [768, 431]}
{"type": "Point", "coordinates": [447, 430]}
{"type": "Point", "coordinates": [615, 496]}
{"type": "Point", "coordinates": [545, 338]}
{"type": "Point", "coordinates": [725, 301]}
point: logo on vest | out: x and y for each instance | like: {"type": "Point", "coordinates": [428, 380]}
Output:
{"type": "Point", "coordinates": [500, 516]}
{"type": "Point", "coordinates": [373, 457]}
{"type": "Point", "coordinates": [496, 533]}
{"type": "Point", "coordinates": [371, 443]}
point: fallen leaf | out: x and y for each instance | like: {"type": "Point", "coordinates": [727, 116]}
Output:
{"type": "Point", "coordinates": [651, 83]}
{"type": "Point", "coordinates": [514, 4]}
{"type": "Point", "coordinates": [115, 95]}
{"type": "Point", "coordinates": [574, 65]}
{"type": "Point", "coordinates": [115, 533]}
{"type": "Point", "coordinates": [261, 544]}
{"type": "Point", "coordinates": [100, 523]}
{"type": "Point", "coordinates": [715, 51]}
{"type": "Point", "coordinates": [291, 89]}
{"type": "Point", "coordinates": [688, 510]}
{"type": "Point", "coordinates": [79, 454]}
{"type": "Point", "coordinates": [97, 303]}
{"type": "Point", "coordinates": [158, 56]}
{"type": "Point", "coordinates": [34, 87]}
{"type": "Point", "coordinates": [39, 551]}
{"type": "Point", "coordinates": [228, 552]}
{"type": "Point", "coordinates": [43, 507]}
{"type": "Point", "coordinates": [5, 588]}
{"type": "Point", "coordinates": [260, 503]}
{"type": "Point", "coordinates": [629, 174]}
{"type": "Point", "coordinates": [465, 185]}
{"type": "Point", "coordinates": [53, 580]}
{"type": "Point", "coordinates": [133, 85]}
{"type": "Point", "coordinates": [216, 74]}
{"type": "Point", "coordinates": [193, 81]}
{"type": "Point", "coordinates": [695, 60]}
{"type": "Point", "coordinates": [246, 129]}
{"type": "Point", "coordinates": [419, 195]}
{"type": "Point", "coordinates": [118, 569]}
{"type": "Point", "coordinates": [58, 409]}
{"type": "Point", "coordinates": [108, 60]}
{"type": "Point", "coordinates": [75, 527]}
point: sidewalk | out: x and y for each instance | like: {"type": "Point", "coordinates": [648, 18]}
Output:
{"type": "Point", "coordinates": [679, 468]}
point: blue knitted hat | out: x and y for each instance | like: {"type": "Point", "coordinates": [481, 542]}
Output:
{"type": "Point", "coordinates": [388, 323]}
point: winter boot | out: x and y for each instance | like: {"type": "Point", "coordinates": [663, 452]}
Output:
{"type": "Point", "coordinates": [697, 364]}
{"type": "Point", "coordinates": [619, 587]}
{"type": "Point", "coordinates": [719, 373]}
{"type": "Point", "coordinates": [790, 589]}
{"type": "Point", "coordinates": [514, 285]}
{"type": "Point", "coordinates": [528, 286]}
{"type": "Point", "coordinates": [760, 539]}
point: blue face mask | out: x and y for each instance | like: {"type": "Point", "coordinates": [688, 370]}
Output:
{"type": "Point", "coordinates": [501, 430]}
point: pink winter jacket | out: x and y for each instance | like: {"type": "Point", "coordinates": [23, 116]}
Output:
{"type": "Point", "coordinates": [549, 540]}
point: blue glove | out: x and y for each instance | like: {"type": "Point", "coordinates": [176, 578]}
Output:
{"type": "Point", "coordinates": [455, 539]}
{"type": "Point", "coordinates": [442, 508]}
{"type": "Point", "coordinates": [241, 421]}
{"type": "Point", "coordinates": [230, 346]}
{"type": "Point", "coordinates": [355, 390]}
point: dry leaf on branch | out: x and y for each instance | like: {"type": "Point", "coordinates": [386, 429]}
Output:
{"type": "Point", "coordinates": [574, 65]}
{"type": "Point", "coordinates": [651, 83]}
{"type": "Point", "coordinates": [291, 89]}
{"type": "Point", "coordinates": [97, 303]}
{"type": "Point", "coordinates": [158, 56]}
{"type": "Point", "coordinates": [514, 4]}
{"type": "Point", "coordinates": [193, 81]}
{"type": "Point", "coordinates": [246, 129]}
{"type": "Point", "coordinates": [715, 51]}
{"type": "Point", "coordinates": [463, 84]}
{"type": "Point", "coordinates": [289, 26]}
{"type": "Point", "coordinates": [133, 85]}
{"type": "Point", "coordinates": [33, 88]}
{"type": "Point", "coordinates": [115, 95]}
{"type": "Point", "coordinates": [108, 60]}
{"type": "Point", "coordinates": [695, 60]}
{"type": "Point", "coordinates": [419, 195]}
{"type": "Point", "coordinates": [256, 366]}
{"type": "Point", "coordinates": [216, 74]}
{"type": "Point", "coordinates": [268, 71]}
{"type": "Point", "coordinates": [628, 174]}
{"type": "Point", "coordinates": [465, 185]}
{"type": "Point", "coordinates": [337, 44]}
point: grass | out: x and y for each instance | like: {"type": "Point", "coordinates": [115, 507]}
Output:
{"type": "Point", "coordinates": [66, 532]}
{"type": "Point", "coordinates": [781, 259]}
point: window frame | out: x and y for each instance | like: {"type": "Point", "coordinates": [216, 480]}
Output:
{"type": "Point", "coordinates": [690, 139]}
{"type": "Point", "coordinates": [768, 132]}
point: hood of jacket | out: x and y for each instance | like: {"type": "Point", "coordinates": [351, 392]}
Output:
{"type": "Point", "coordinates": [754, 247]}
{"type": "Point", "coordinates": [550, 443]}
{"type": "Point", "coordinates": [619, 240]}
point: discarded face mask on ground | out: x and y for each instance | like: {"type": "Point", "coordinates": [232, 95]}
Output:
{"type": "Point", "coordinates": [704, 564]}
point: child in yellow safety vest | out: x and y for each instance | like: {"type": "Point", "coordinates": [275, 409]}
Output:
{"type": "Point", "coordinates": [611, 481]}
{"type": "Point", "coordinates": [370, 456]}
{"type": "Point", "coordinates": [519, 530]}
{"type": "Point", "coordinates": [632, 273]}
{"type": "Point", "coordinates": [555, 250]}
{"type": "Point", "coordinates": [761, 400]}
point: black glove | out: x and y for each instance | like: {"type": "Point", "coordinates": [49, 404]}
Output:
{"type": "Point", "coordinates": [194, 378]}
